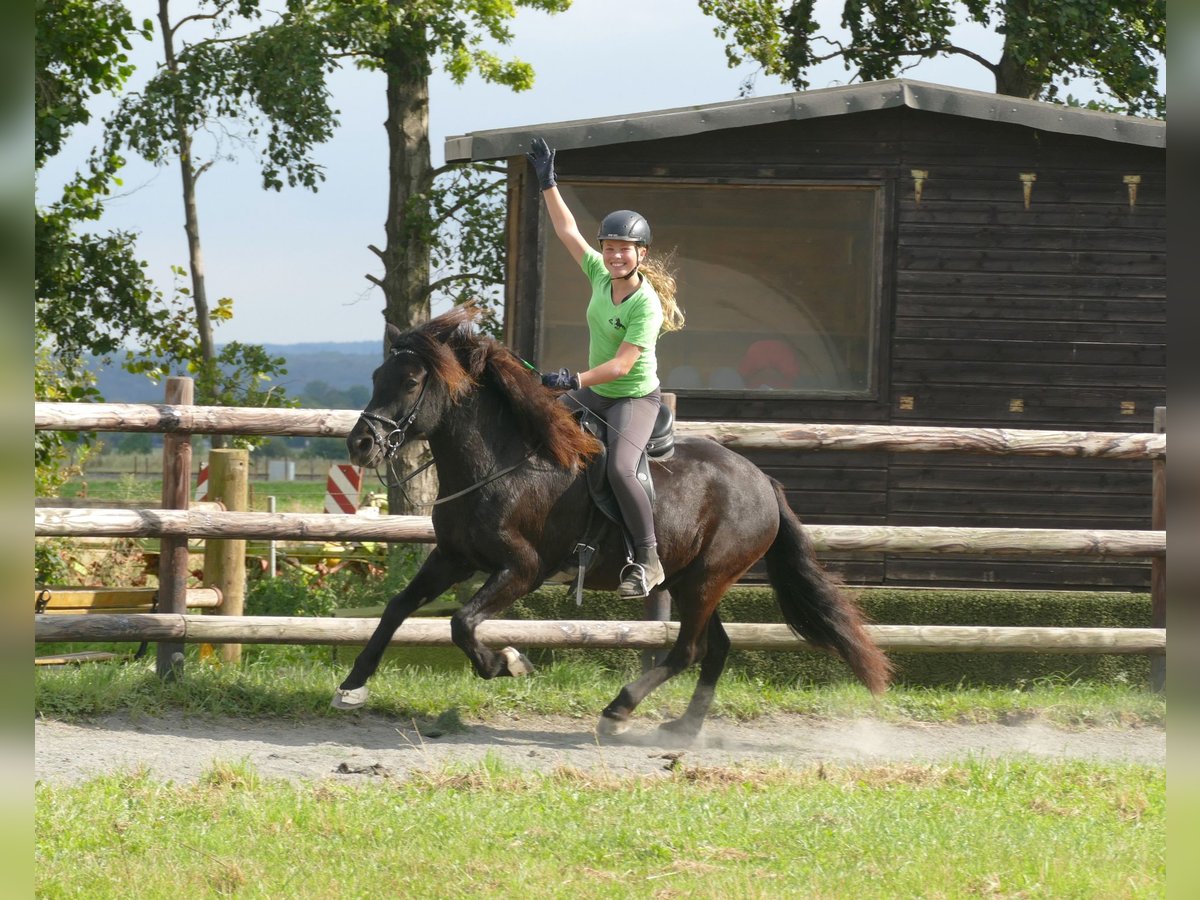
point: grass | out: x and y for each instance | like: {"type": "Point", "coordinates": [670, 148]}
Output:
{"type": "Point", "coordinates": [296, 683]}
{"type": "Point", "coordinates": [1016, 828]}
{"type": "Point", "coordinates": [290, 496]}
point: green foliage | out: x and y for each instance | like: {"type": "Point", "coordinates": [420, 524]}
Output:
{"type": "Point", "coordinates": [289, 597]}
{"type": "Point", "coordinates": [315, 591]}
{"type": "Point", "coordinates": [1114, 44]}
{"type": "Point", "coordinates": [320, 395]}
{"type": "Point", "coordinates": [50, 564]}
{"type": "Point", "coordinates": [381, 34]}
{"type": "Point", "coordinates": [265, 85]}
{"type": "Point", "coordinates": [461, 219]}
{"type": "Point", "coordinates": [90, 290]}
{"type": "Point", "coordinates": [79, 51]}
{"type": "Point", "coordinates": [452, 214]}
{"type": "Point", "coordinates": [58, 456]}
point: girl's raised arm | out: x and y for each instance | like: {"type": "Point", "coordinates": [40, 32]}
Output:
{"type": "Point", "coordinates": [542, 159]}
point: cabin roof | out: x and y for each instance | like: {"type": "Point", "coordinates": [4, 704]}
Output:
{"type": "Point", "coordinates": [855, 98]}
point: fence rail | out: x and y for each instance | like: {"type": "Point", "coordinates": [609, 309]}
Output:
{"type": "Point", "coordinates": [574, 633]}
{"type": "Point", "coordinates": [738, 436]}
{"type": "Point", "coordinates": [67, 522]}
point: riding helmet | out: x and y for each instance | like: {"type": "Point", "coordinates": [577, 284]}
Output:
{"type": "Point", "coordinates": [625, 225]}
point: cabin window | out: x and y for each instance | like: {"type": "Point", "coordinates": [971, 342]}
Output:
{"type": "Point", "coordinates": [780, 284]}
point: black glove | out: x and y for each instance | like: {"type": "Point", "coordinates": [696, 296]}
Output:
{"type": "Point", "coordinates": [562, 380]}
{"type": "Point", "coordinates": [542, 158]}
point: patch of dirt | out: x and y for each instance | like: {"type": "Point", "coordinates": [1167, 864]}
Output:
{"type": "Point", "coordinates": [362, 746]}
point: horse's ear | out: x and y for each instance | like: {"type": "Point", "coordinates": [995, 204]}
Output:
{"type": "Point", "coordinates": [391, 334]}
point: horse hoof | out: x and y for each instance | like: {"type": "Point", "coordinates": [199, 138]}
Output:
{"type": "Point", "coordinates": [610, 727]}
{"type": "Point", "coordinates": [516, 662]}
{"type": "Point", "coordinates": [352, 699]}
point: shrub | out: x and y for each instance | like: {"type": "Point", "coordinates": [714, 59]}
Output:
{"type": "Point", "coordinates": [893, 606]}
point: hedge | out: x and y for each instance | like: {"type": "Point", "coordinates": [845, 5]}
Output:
{"type": "Point", "coordinates": [899, 607]}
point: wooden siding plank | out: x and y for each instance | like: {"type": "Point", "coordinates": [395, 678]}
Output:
{"type": "Point", "coordinates": [1048, 259]}
{"type": "Point", "coordinates": [1015, 575]}
{"type": "Point", "coordinates": [908, 327]}
{"type": "Point", "coordinates": [1032, 238]}
{"type": "Point", "coordinates": [1049, 285]}
{"type": "Point", "coordinates": [1080, 353]}
{"type": "Point", "coordinates": [1037, 308]}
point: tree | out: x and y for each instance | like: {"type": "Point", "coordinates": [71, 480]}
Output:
{"type": "Point", "coordinates": [1115, 44]}
{"type": "Point", "coordinates": [455, 209]}
{"type": "Point", "coordinates": [239, 83]}
{"type": "Point", "coordinates": [404, 41]}
{"type": "Point", "coordinates": [90, 290]}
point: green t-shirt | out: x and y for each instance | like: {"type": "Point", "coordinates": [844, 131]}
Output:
{"type": "Point", "coordinates": [637, 320]}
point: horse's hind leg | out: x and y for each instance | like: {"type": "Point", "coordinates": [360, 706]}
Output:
{"type": "Point", "coordinates": [435, 576]}
{"type": "Point", "coordinates": [689, 646]}
{"type": "Point", "coordinates": [711, 667]}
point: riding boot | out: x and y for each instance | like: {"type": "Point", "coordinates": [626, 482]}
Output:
{"type": "Point", "coordinates": [642, 575]}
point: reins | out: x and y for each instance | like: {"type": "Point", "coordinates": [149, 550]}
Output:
{"type": "Point", "coordinates": [421, 468]}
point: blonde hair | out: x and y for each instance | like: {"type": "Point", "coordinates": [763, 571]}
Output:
{"type": "Point", "coordinates": [661, 277]}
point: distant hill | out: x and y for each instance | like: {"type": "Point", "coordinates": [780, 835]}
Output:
{"type": "Point", "coordinates": [340, 366]}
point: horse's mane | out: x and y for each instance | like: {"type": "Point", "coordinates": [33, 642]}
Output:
{"type": "Point", "coordinates": [462, 358]}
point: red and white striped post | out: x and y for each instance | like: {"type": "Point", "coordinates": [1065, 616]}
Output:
{"type": "Point", "coordinates": [342, 489]}
{"type": "Point", "coordinates": [201, 484]}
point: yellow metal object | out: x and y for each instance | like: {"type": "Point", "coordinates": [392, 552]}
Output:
{"type": "Point", "coordinates": [1027, 180]}
{"type": "Point", "coordinates": [1131, 184]}
{"type": "Point", "coordinates": [919, 176]}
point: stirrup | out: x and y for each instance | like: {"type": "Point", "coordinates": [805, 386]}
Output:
{"type": "Point", "coordinates": [636, 582]}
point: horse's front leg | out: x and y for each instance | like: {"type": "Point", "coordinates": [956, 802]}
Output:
{"type": "Point", "coordinates": [437, 575]}
{"type": "Point", "coordinates": [497, 594]}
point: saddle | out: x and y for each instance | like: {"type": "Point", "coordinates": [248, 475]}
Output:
{"type": "Point", "coordinates": [661, 446]}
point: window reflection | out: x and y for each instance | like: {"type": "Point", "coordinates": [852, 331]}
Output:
{"type": "Point", "coordinates": [779, 284]}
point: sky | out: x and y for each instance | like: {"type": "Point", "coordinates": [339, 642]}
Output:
{"type": "Point", "coordinates": [294, 262]}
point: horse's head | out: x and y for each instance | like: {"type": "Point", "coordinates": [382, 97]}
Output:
{"type": "Point", "coordinates": [418, 378]}
{"type": "Point", "coordinates": [398, 409]}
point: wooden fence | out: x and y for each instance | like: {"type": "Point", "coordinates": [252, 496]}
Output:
{"type": "Point", "coordinates": [176, 522]}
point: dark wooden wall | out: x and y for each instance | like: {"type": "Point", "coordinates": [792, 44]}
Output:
{"type": "Point", "coordinates": [994, 315]}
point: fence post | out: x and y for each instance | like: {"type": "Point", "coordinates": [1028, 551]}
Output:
{"type": "Point", "coordinates": [1158, 566]}
{"type": "Point", "coordinates": [173, 555]}
{"type": "Point", "coordinates": [225, 560]}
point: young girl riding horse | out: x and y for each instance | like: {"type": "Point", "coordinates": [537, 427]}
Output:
{"type": "Point", "coordinates": [632, 302]}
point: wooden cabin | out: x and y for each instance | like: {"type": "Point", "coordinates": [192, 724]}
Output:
{"type": "Point", "coordinates": [887, 253]}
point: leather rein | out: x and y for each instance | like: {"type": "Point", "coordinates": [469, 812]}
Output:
{"type": "Point", "coordinates": [391, 437]}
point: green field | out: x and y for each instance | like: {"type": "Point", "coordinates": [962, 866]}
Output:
{"type": "Point", "coordinates": [1000, 829]}
{"type": "Point", "coordinates": [138, 477]}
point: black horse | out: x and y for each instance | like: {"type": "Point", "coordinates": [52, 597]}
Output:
{"type": "Point", "coordinates": [513, 502]}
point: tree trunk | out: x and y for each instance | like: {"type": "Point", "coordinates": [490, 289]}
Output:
{"type": "Point", "coordinates": [405, 258]}
{"type": "Point", "coordinates": [1015, 76]}
{"type": "Point", "coordinates": [191, 226]}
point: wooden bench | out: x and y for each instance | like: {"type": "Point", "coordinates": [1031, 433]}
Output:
{"type": "Point", "coordinates": [85, 600]}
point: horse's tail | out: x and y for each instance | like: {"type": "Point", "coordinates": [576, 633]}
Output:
{"type": "Point", "coordinates": [814, 605]}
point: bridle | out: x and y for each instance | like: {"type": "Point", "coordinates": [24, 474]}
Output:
{"type": "Point", "coordinates": [391, 437]}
